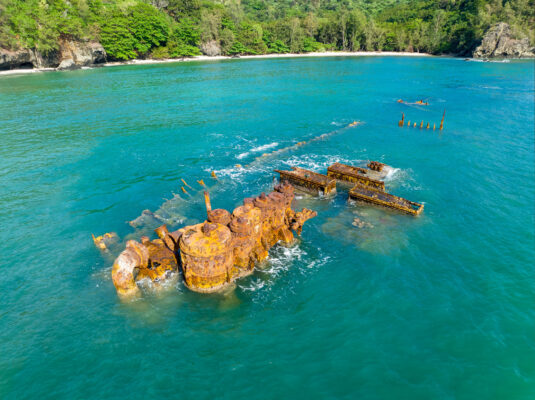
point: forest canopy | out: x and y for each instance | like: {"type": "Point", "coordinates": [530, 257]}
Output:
{"type": "Point", "coordinates": [130, 29]}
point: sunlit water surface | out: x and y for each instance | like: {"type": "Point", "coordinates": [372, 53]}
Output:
{"type": "Point", "coordinates": [435, 307]}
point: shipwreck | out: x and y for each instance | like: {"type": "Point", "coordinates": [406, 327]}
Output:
{"type": "Point", "coordinates": [213, 254]}
{"type": "Point", "coordinates": [308, 181]}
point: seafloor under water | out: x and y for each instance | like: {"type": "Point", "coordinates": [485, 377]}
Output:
{"type": "Point", "coordinates": [435, 307]}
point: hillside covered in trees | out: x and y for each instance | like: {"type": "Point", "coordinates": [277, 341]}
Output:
{"type": "Point", "coordinates": [129, 29]}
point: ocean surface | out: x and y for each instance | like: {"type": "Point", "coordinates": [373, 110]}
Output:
{"type": "Point", "coordinates": [439, 306]}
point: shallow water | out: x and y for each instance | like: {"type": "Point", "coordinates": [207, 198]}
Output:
{"type": "Point", "coordinates": [434, 307]}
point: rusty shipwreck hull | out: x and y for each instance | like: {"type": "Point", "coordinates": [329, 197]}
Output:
{"type": "Point", "coordinates": [213, 254]}
{"type": "Point", "coordinates": [308, 181]}
{"type": "Point", "coordinates": [349, 173]}
{"type": "Point", "coordinates": [374, 196]}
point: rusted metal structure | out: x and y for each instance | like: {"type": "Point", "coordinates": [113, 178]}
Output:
{"type": "Point", "coordinates": [207, 256]}
{"type": "Point", "coordinates": [376, 166]}
{"type": "Point", "coordinates": [308, 181]}
{"type": "Point", "coordinates": [216, 252]}
{"type": "Point", "coordinates": [374, 196]}
{"type": "Point", "coordinates": [155, 260]}
{"type": "Point", "coordinates": [349, 173]}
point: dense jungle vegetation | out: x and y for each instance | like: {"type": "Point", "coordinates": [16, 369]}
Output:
{"type": "Point", "coordinates": [174, 28]}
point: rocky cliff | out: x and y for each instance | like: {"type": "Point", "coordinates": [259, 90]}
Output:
{"type": "Point", "coordinates": [499, 42]}
{"type": "Point", "coordinates": [70, 55]}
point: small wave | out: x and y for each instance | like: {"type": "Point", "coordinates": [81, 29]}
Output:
{"type": "Point", "coordinates": [318, 163]}
{"type": "Point", "coordinates": [265, 147]}
{"type": "Point", "coordinates": [252, 286]}
{"type": "Point", "coordinates": [281, 259]}
{"type": "Point", "coordinates": [391, 173]}
{"type": "Point", "coordinates": [257, 149]}
{"type": "Point", "coordinates": [489, 61]}
{"type": "Point", "coordinates": [149, 286]}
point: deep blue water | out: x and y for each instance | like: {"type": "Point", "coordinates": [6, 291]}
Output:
{"type": "Point", "coordinates": [435, 307]}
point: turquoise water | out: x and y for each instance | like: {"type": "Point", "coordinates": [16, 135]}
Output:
{"type": "Point", "coordinates": [435, 307]}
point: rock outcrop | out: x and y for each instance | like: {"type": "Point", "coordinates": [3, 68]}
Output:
{"type": "Point", "coordinates": [211, 48]}
{"type": "Point", "coordinates": [71, 54]}
{"type": "Point", "coordinates": [499, 42]}
{"type": "Point", "coordinates": [74, 54]}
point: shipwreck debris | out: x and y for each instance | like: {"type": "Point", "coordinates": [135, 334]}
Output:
{"type": "Point", "coordinates": [352, 174]}
{"type": "Point", "coordinates": [374, 196]}
{"type": "Point", "coordinates": [367, 187]}
{"type": "Point", "coordinates": [104, 241]}
{"type": "Point", "coordinates": [376, 166]}
{"type": "Point", "coordinates": [308, 181]}
{"type": "Point", "coordinates": [401, 122]}
{"type": "Point", "coordinates": [212, 254]}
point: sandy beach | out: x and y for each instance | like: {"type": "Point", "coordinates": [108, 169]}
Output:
{"type": "Point", "coordinates": [218, 58]}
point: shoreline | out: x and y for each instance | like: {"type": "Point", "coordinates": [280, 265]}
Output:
{"type": "Point", "coordinates": [219, 58]}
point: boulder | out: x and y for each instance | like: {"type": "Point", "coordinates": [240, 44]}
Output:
{"type": "Point", "coordinates": [499, 42]}
{"type": "Point", "coordinates": [67, 64]}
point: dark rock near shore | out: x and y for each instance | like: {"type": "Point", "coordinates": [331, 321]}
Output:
{"type": "Point", "coordinates": [71, 54]}
{"type": "Point", "coordinates": [499, 42]}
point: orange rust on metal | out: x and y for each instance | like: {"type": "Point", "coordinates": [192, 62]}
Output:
{"type": "Point", "coordinates": [213, 175]}
{"type": "Point", "coordinates": [353, 174]}
{"type": "Point", "coordinates": [434, 126]}
{"type": "Point", "coordinates": [421, 124]}
{"type": "Point", "coordinates": [163, 234]}
{"type": "Point", "coordinates": [207, 201]}
{"type": "Point", "coordinates": [401, 122]}
{"type": "Point", "coordinates": [409, 123]}
{"type": "Point", "coordinates": [201, 182]}
{"type": "Point", "coordinates": [259, 253]}
{"type": "Point", "coordinates": [102, 242]}
{"type": "Point", "coordinates": [126, 267]}
{"type": "Point", "coordinates": [216, 252]}
{"type": "Point", "coordinates": [219, 216]}
{"type": "Point", "coordinates": [300, 218]}
{"type": "Point", "coordinates": [162, 260]}
{"type": "Point", "coordinates": [376, 166]}
{"type": "Point", "coordinates": [308, 180]}
{"type": "Point", "coordinates": [245, 229]}
{"type": "Point", "coordinates": [184, 190]}
{"type": "Point", "coordinates": [370, 195]}
{"type": "Point", "coordinates": [427, 127]}
{"type": "Point", "coordinates": [207, 257]}
{"type": "Point", "coordinates": [185, 183]}
{"type": "Point", "coordinates": [442, 120]}
{"type": "Point", "coordinates": [414, 126]}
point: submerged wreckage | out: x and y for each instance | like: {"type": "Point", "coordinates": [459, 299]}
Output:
{"type": "Point", "coordinates": [212, 254]}
{"type": "Point", "coordinates": [368, 186]}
